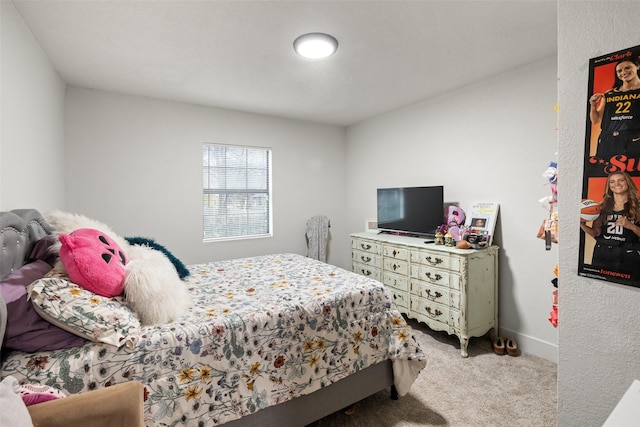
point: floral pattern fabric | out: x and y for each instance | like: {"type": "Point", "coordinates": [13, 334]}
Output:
{"type": "Point", "coordinates": [262, 331]}
{"type": "Point", "coordinates": [81, 312]}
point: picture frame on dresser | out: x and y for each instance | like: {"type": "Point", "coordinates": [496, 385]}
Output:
{"type": "Point", "coordinates": [481, 217]}
{"type": "Point", "coordinates": [371, 225]}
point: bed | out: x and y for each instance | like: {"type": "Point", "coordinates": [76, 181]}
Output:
{"type": "Point", "coordinates": [271, 340]}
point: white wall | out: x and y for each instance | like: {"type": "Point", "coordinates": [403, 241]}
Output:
{"type": "Point", "coordinates": [32, 133]}
{"type": "Point", "coordinates": [136, 164]}
{"type": "Point", "coordinates": [599, 321]}
{"type": "Point", "coordinates": [489, 141]}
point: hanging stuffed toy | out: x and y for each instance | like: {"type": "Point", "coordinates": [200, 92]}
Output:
{"type": "Point", "coordinates": [551, 175]}
{"type": "Point", "coordinates": [549, 229]}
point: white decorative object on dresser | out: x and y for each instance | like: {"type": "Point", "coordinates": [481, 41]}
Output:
{"type": "Point", "coordinates": [449, 289]}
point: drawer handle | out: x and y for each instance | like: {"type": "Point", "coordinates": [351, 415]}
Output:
{"type": "Point", "coordinates": [395, 252]}
{"type": "Point", "coordinates": [433, 297]}
{"type": "Point", "coordinates": [432, 262]}
{"type": "Point", "coordinates": [365, 247]}
{"type": "Point", "coordinates": [366, 272]}
{"type": "Point", "coordinates": [395, 267]}
{"type": "Point", "coordinates": [436, 277]}
{"type": "Point", "coordinates": [435, 313]}
{"type": "Point", "coordinates": [365, 258]}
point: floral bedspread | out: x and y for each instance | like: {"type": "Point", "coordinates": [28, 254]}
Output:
{"type": "Point", "coordinates": [262, 330]}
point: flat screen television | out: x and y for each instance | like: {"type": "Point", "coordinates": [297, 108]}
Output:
{"type": "Point", "coordinates": [411, 210]}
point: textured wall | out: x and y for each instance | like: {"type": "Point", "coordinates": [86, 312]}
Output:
{"type": "Point", "coordinates": [599, 333]}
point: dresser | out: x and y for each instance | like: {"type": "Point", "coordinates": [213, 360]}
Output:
{"type": "Point", "coordinates": [449, 289]}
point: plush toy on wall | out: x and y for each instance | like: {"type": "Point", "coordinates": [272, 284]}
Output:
{"type": "Point", "coordinates": [94, 261]}
{"type": "Point", "coordinates": [455, 222]}
{"type": "Point", "coordinates": [551, 175]}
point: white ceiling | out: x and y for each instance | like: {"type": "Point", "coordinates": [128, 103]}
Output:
{"type": "Point", "coordinates": [238, 54]}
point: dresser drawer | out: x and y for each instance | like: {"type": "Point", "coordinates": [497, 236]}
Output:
{"type": "Point", "coordinates": [446, 261]}
{"type": "Point", "coordinates": [454, 319]}
{"type": "Point", "coordinates": [395, 281]}
{"type": "Point", "coordinates": [366, 246]}
{"type": "Point", "coordinates": [366, 270]}
{"type": "Point", "coordinates": [367, 258]}
{"type": "Point", "coordinates": [455, 263]}
{"type": "Point", "coordinates": [436, 276]}
{"type": "Point", "coordinates": [439, 294]}
{"type": "Point", "coordinates": [395, 252]}
{"type": "Point", "coordinates": [430, 309]}
{"type": "Point", "coordinates": [432, 259]}
{"type": "Point", "coordinates": [395, 266]}
{"type": "Point", "coordinates": [399, 287]}
{"type": "Point", "coordinates": [454, 300]}
{"type": "Point", "coordinates": [401, 299]}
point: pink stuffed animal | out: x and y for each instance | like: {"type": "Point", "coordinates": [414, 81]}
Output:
{"type": "Point", "coordinates": [455, 220]}
{"type": "Point", "coordinates": [94, 261]}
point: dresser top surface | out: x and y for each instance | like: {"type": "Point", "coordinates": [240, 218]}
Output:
{"type": "Point", "coordinates": [419, 243]}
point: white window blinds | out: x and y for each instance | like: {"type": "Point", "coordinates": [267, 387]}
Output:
{"type": "Point", "coordinates": [236, 192]}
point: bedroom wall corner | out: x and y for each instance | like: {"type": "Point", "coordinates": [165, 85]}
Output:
{"type": "Point", "coordinates": [32, 168]}
{"type": "Point", "coordinates": [494, 146]}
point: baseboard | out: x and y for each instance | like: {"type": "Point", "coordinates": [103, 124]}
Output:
{"type": "Point", "coordinates": [533, 346]}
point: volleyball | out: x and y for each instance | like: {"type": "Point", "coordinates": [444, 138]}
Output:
{"type": "Point", "coordinates": [589, 210]}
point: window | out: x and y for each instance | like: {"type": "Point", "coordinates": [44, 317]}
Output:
{"type": "Point", "coordinates": [236, 192]}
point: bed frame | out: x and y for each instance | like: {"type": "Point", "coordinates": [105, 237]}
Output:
{"type": "Point", "coordinates": [20, 229]}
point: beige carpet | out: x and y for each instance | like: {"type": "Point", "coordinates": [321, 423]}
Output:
{"type": "Point", "coordinates": [481, 390]}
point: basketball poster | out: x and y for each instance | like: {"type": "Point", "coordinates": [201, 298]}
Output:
{"type": "Point", "coordinates": [610, 205]}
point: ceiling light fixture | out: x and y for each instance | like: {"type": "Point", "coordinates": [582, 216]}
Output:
{"type": "Point", "coordinates": [315, 45]}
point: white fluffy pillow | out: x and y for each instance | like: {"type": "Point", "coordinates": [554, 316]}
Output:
{"type": "Point", "coordinates": [65, 222]}
{"type": "Point", "coordinates": [152, 287]}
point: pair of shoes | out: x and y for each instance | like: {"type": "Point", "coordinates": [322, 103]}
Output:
{"type": "Point", "coordinates": [500, 346]}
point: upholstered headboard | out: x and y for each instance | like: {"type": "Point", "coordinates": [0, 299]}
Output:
{"type": "Point", "coordinates": [19, 230]}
